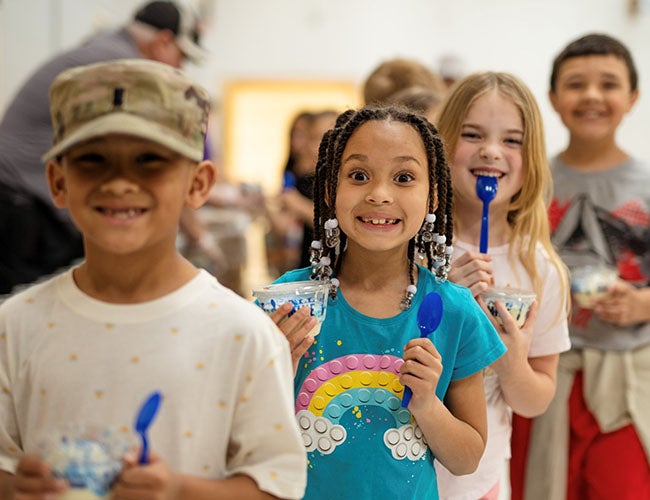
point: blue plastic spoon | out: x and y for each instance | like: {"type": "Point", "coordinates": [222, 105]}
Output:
{"type": "Point", "coordinates": [145, 416]}
{"type": "Point", "coordinates": [288, 180]}
{"type": "Point", "coordinates": [429, 317]}
{"type": "Point", "coordinates": [486, 189]}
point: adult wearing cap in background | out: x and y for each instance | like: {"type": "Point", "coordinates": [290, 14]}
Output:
{"type": "Point", "coordinates": [35, 237]}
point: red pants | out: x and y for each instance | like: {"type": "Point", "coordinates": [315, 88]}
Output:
{"type": "Point", "coordinates": [519, 452]}
{"type": "Point", "coordinates": [601, 466]}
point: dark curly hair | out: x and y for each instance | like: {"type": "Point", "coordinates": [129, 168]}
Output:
{"type": "Point", "coordinates": [327, 173]}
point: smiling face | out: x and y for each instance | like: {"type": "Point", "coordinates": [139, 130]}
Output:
{"type": "Point", "coordinates": [383, 186]}
{"type": "Point", "coordinates": [490, 143]}
{"type": "Point", "coordinates": [126, 194]}
{"type": "Point", "coordinates": [592, 95]}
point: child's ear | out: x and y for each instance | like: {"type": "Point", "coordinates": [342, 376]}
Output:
{"type": "Point", "coordinates": [634, 95]}
{"type": "Point", "coordinates": [203, 178]}
{"type": "Point", "coordinates": [56, 182]}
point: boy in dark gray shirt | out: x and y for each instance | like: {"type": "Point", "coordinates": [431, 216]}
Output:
{"type": "Point", "coordinates": [594, 440]}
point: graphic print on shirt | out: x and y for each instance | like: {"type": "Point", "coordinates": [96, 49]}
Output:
{"type": "Point", "coordinates": [360, 390]}
{"type": "Point", "coordinates": [585, 233]}
{"type": "Point", "coordinates": [619, 237]}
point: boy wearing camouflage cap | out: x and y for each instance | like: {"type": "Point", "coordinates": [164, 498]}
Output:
{"type": "Point", "coordinates": [88, 346]}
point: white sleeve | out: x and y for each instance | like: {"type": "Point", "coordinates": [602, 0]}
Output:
{"type": "Point", "coordinates": [265, 442]}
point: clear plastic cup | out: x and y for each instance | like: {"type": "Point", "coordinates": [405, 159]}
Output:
{"type": "Point", "coordinates": [517, 302]}
{"type": "Point", "coordinates": [590, 283]}
{"type": "Point", "coordinates": [88, 457]}
{"type": "Point", "coordinates": [299, 293]}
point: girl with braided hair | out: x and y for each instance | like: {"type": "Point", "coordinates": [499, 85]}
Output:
{"type": "Point", "coordinates": [492, 126]}
{"type": "Point", "coordinates": [382, 224]}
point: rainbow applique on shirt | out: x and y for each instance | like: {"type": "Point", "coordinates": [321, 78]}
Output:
{"type": "Point", "coordinates": [346, 383]}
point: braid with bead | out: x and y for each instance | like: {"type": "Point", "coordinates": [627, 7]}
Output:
{"type": "Point", "coordinates": [326, 260]}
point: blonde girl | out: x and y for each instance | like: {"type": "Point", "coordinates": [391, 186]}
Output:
{"type": "Point", "coordinates": [491, 125]}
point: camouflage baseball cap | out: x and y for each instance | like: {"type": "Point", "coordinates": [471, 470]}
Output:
{"type": "Point", "coordinates": [136, 97]}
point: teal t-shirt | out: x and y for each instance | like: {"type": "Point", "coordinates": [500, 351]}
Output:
{"type": "Point", "coordinates": [360, 442]}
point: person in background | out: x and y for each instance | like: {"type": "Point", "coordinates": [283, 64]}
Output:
{"type": "Point", "coordinates": [408, 83]}
{"type": "Point", "coordinates": [594, 440]}
{"type": "Point", "coordinates": [284, 234]}
{"type": "Point", "coordinates": [493, 127]}
{"type": "Point", "coordinates": [37, 238]}
{"type": "Point", "coordinates": [299, 200]}
{"type": "Point", "coordinates": [88, 345]}
{"type": "Point", "coordinates": [451, 68]}
{"type": "Point", "coordinates": [298, 139]}
{"type": "Point", "coordinates": [292, 215]}
{"type": "Point", "coordinates": [422, 100]}
{"type": "Point", "coordinates": [383, 206]}
{"type": "Point", "coordinates": [394, 75]}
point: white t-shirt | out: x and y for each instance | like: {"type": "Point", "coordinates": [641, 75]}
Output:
{"type": "Point", "coordinates": [550, 336]}
{"type": "Point", "coordinates": [222, 366]}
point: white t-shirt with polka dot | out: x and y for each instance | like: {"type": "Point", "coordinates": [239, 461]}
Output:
{"type": "Point", "coordinates": [222, 366]}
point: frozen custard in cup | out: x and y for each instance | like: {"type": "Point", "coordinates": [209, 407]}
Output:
{"type": "Point", "coordinates": [591, 283]}
{"type": "Point", "coordinates": [299, 293]}
{"type": "Point", "coordinates": [517, 302]}
{"type": "Point", "coordinates": [89, 458]}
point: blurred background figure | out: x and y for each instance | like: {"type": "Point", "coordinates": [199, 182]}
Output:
{"type": "Point", "coordinates": [451, 68]}
{"type": "Point", "coordinates": [298, 139]}
{"type": "Point", "coordinates": [406, 82]}
{"type": "Point", "coordinates": [291, 213]}
{"type": "Point", "coordinates": [214, 236]}
{"type": "Point", "coordinates": [422, 100]}
{"type": "Point", "coordinates": [38, 238]}
{"type": "Point", "coordinates": [395, 75]}
{"type": "Point", "coordinates": [284, 238]}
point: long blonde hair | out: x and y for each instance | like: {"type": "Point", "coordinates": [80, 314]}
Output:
{"type": "Point", "coordinates": [527, 215]}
